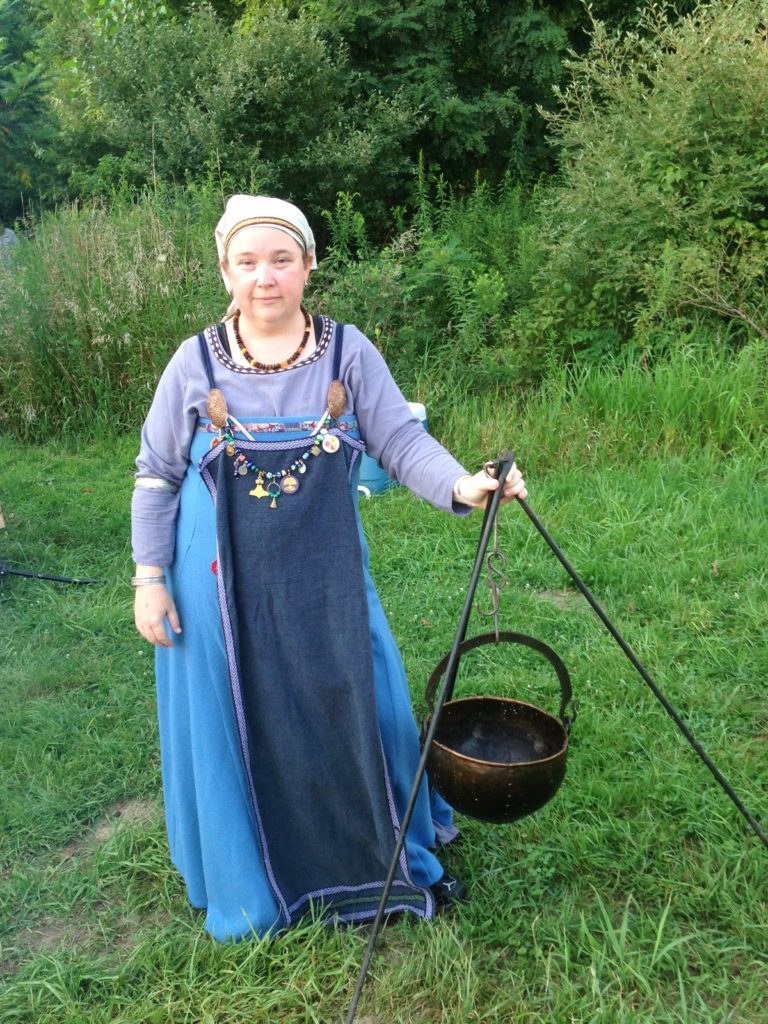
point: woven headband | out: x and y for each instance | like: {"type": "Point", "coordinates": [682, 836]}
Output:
{"type": "Point", "coordinates": [278, 222]}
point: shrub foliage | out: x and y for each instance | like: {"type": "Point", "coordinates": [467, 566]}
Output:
{"type": "Point", "coordinates": [27, 137]}
{"type": "Point", "coordinates": [274, 105]}
{"type": "Point", "coordinates": [658, 223]}
{"type": "Point", "coordinates": [476, 72]}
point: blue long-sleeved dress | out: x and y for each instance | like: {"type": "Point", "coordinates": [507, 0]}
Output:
{"type": "Point", "coordinates": [213, 828]}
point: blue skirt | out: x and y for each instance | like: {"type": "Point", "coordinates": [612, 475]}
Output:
{"type": "Point", "coordinates": [211, 829]}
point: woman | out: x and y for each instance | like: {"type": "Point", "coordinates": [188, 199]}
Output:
{"type": "Point", "coordinates": [287, 739]}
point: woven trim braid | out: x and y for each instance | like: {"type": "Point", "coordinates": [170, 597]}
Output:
{"type": "Point", "coordinates": [221, 355]}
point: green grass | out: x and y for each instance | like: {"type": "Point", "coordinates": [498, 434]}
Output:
{"type": "Point", "coordinates": [637, 896]}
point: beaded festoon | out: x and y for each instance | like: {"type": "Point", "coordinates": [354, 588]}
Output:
{"type": "Point", "coordinates": [274, 483]}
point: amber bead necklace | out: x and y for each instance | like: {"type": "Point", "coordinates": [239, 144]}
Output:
{"type": "Point", "coordinates": [271, 367]}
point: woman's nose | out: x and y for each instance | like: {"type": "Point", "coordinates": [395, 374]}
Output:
{"type": "Point", "coordinates": [264, 274]}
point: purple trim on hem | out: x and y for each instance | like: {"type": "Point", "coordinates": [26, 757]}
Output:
{"type": "Point", "coordinates": [403, 860]}
{"type": "Point", "coordinates": [335, 890]}
{"type": "Point", "coordinates": [369, 915]}
{"type": "Point", "coordinates": [444, 833]}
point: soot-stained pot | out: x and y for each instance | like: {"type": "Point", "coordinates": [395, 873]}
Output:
{"type": "Point", "coordinates": [494, 758]}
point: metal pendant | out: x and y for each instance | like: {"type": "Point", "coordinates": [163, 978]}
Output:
{"type": "Point", "coordinates": [259, 490]}
{"type": "Point", "coordinates": [289, 484]}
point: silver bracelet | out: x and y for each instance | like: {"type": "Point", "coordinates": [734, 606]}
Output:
{"type": "Point", "coordinates": [457, 488]}
{"type": "Point", "coordinates": [155, 483]}
{"type": "Point", "coordinates": [145, 581]}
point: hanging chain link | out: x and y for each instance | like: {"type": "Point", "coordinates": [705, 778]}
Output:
{"type": "Point", "coordinates": [495, 578]}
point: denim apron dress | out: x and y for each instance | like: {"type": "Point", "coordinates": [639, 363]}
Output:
{"type": "Point", "coordinates": [288, 741]}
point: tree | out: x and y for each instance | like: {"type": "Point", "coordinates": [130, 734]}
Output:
{"type": "Point", "coordinates": [480, 72]}
{"type": "Point", "coordinates": [277, 108]}
{"type": "Point", "coordinates": [475, 70]}
{"type": "Point", "coordinates": [26, 131]}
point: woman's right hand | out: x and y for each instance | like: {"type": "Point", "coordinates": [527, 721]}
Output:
{"type": "Point", "coordinates": [152, 606]}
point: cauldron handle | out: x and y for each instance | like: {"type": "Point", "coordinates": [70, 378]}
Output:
{"type": "Point", "coordinates": [561, 671]}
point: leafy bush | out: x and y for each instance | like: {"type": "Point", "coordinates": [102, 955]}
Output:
{"type": "Point", "coordinates": [170, 99]}
{"type": "Point", "coordinates": [437, 299]}
{"type": "Point", "coordinates": [658, 225]}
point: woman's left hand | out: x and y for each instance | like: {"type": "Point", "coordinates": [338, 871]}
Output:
{"type": "Point", "coordinates": [475, 490]}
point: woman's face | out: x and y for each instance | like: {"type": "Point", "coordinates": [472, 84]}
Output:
{"type": "Point", "coordinates": [267, 272]}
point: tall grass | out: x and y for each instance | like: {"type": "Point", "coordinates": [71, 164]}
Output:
{"type": "Point", "coordinates": [694, 397]}
{"type": "Point", "coordinates": [93, 303]}
{"type": "Point", "coordinates": [95, 300]}
{"type": "Point", "coordinates": [441, 294]}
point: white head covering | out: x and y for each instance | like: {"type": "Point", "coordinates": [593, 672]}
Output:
{"type": "Point", "coordinates": [245, 211]}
